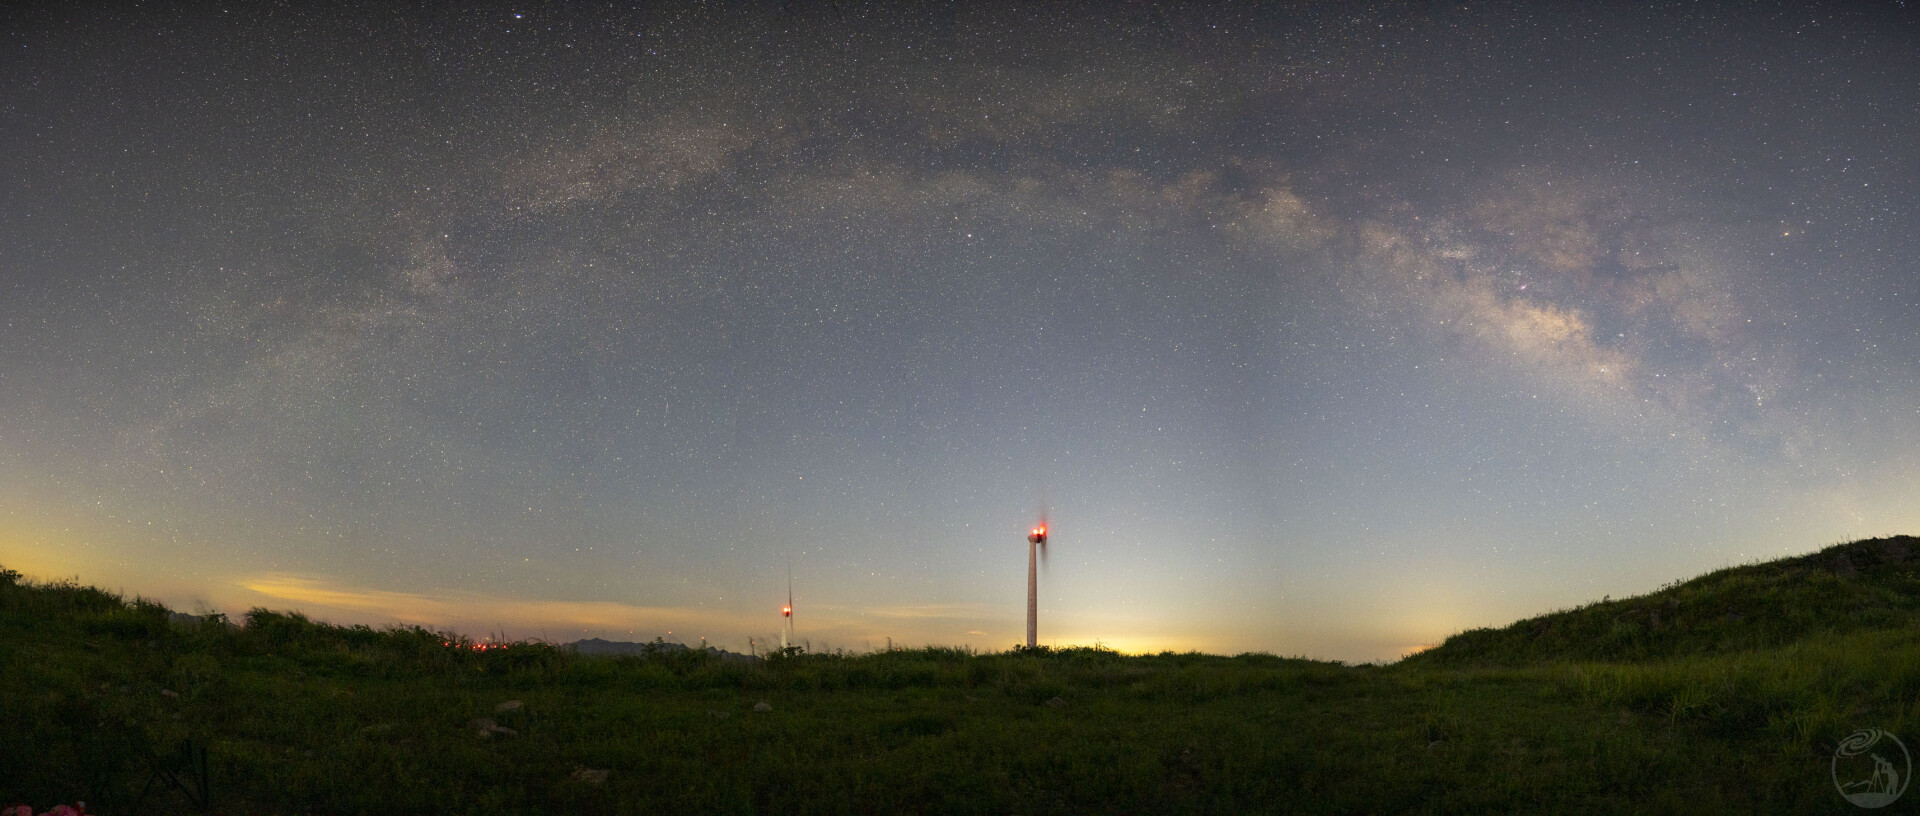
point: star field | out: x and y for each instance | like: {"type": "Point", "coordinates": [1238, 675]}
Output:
{"type": "Point", "coordinates": [1324, 329]}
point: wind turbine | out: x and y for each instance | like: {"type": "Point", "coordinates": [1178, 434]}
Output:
{"type": "Point", "coordinates": [786, 614]}
{"type": "Point", "coordinates": [1036, 545]}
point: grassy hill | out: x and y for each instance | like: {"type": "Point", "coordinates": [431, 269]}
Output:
{"type": "Point", "coordinates": [1726, 693]}
{"type": "Point", "coordinates": [1863, 585]}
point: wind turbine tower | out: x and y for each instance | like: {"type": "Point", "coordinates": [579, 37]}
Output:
{"type": "Point", "coordinates": [786, 614]}
{"type": "Point", "coordinates": [1036, 546]}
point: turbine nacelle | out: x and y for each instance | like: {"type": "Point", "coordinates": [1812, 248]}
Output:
{"type": "Point", "coordinates": [1038, 536]}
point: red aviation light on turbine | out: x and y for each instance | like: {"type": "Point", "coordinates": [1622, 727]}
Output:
{"type": "Point", "coordinates": [1038, 536]}
{"type": "Point", "coordinates": [786, 611]}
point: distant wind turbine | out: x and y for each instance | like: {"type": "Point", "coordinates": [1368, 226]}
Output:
{"type": "Point", "coordinates": [786, 614]}
{"type": "Point", "coordinates": [1036, 546]}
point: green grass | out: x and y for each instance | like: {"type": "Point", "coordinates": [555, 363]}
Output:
{"type": "Point", "coordinates": [1864, 585]}
{"type": "Point", "coordinates": [105, 698]}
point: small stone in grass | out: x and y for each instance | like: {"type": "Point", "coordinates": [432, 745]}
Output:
{"type": "Point", "coordinates": [510, 705]}
{"type": "Point", "coordinates": [762, 706]}
{"type": "Point", "coordinates": [485, 728]}
{"type": "Point", "coordinates": [1057, 703]}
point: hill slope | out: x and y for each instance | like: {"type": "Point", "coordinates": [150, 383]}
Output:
{"type": "Point", "coordinates": [1867, 584]}
{"type": "Point", "coordinates": [136, 709]}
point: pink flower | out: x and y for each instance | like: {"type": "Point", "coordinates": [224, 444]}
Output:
{"type": "Point", "coordinates": [63, 810]}
{"type": "Point", "coordinates": [17, 810]}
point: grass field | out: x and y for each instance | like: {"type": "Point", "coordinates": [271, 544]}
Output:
{"type": "Point", "coordinates": [1727, 693]}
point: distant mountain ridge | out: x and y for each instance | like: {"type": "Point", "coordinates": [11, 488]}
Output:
{"type": "Point", "coordinates": [1867, 584]}
{"type": "Point", "coordinates": [597, 646]}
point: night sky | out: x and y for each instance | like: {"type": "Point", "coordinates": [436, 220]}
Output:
{"type": "Point", "coordinates": [1324, 330]}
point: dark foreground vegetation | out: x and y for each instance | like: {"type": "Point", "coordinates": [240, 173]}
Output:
{"type": "Point", "coordinates": [1724, 694]}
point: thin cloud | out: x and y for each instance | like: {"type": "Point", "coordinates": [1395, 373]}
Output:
{"type": "Point", "coordinates": [464, 608]}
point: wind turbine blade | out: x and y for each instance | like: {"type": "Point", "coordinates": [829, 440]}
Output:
{"type": "Point", "coordinates": [1048, 527]}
